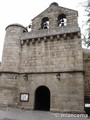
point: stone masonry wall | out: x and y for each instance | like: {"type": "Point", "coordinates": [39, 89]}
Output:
{"type": "Point", "coordinates": [66, 95]}
{"type": "Point", "coordinates": [53, 55]}
{"type": "Point", "coordinates": [86, 53]}
{"type": "Point", "coordinates": [9, 89]}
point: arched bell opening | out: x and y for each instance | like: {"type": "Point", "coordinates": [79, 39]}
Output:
{"type": "Point", "coordinates": [45, 23]}
{"type": "Point", "coordinates": [62, 20]}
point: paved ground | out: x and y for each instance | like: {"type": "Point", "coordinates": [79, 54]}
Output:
{"type": "Point", "coordinates": [35, 115]}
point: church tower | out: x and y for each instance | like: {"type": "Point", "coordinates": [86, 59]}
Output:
{"type": "Point", "coordinates": [46, 64]}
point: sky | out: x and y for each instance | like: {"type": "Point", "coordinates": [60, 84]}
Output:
{"type": "Point", "coordinates": [23, 11]}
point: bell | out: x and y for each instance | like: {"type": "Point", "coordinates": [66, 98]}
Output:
{"type": "Point", "coordinates": [62, 20]}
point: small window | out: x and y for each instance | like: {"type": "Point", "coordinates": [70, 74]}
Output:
{"type": "Point", "coordinates": [62, 20]}
{"type": "Point", "coordinates": [45, 23]}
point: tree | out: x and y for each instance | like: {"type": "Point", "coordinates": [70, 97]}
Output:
{"type": "Point", "coordinates": [87, 31]}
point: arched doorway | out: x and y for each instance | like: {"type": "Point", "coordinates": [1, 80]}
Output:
{"type": "Point", "coordinates": [42, 98]}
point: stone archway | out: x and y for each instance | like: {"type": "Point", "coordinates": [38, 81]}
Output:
{"type": "Point", "coordinates": [42, 98]}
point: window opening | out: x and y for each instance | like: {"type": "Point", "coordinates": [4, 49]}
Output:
{"type": "Point", "coordinates": [45, 23]}
{"type": "Point", "coordinates": [62, 20]}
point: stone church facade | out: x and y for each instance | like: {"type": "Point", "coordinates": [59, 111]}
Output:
{"type": "Point", "coordinates": [46, 68]}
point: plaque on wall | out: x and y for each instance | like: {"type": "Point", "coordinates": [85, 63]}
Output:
{"type": "Point", "coordinates": [24, 97]}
